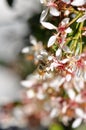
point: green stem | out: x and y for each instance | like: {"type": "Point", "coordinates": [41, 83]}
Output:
{"type": "Point", "coordinates": [80, 29]}
{"type": "Point", "coordinates": [76, 39]}
{"type": "Point", "coordinates": [72, 21]}
{"type": "Point", "coordinates": [81, 25]}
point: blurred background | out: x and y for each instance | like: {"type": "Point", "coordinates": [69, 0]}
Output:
{"type": "Point", "coordinates": [14, 35]}
{"type": "Point", "coordinates": [18, 20]}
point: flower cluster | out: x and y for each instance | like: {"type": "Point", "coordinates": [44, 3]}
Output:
{"type": "Point", "coordinates": [57, 89]}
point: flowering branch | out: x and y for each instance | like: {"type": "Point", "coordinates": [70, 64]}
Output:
{"type": "Point", "coordinates": [59, 84]}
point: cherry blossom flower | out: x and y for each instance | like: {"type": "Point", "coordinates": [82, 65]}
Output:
{"type": "Point", "coordinates": [51, 7]}
{"type": "Point", "coordinates": [60, 30]}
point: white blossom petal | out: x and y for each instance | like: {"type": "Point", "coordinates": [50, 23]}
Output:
{"type": "Point", "coordinates": [78, 98]}
{"type": "Point", "coordinates": [43, 15]}
{"type": "Point", "coordinates": [66, 1]}
{"type": "Point", "coordinates": [39, 57]}
{"type": "Point", "coordinates": [64, 61]}
{"type": "Point", "coordinates": [59, 53]}
{"type": "Point", "coordinates": [77, 122]}
{"type": "Point", "coordinates": [53, 113]}
{"type": "Point", "coordinates": [67, 12]}
{"type": "Point", "coordinates": [44, 53]}
{"type": "Point", "coordinates": [53, 66]}
{"type": "Point", "coordinates": [51, 41]}
{"type": "Point", "coordinates": [79, 112]}
{"type": "Point", "coordinates": [54, 11]}
{"type": "Point", "coordinates": [65, 21]}
{"type": "Point", "coordinates": [40, 95]}
{"type": "Point", "coordinates": [27, 83]}
{"type": "Point", "coordinates": [30, 94]}
{"type": "Point", "coordinates": [71, 94]}
{"type": "Point", "coordinates": [66, 49]}
{"type": "Point", "coordinates": [84, 33]}
{"type": "Point", "coordinates": [25, 50]}
{"type": "Point", "coordinates": [68, 77]}
{"type": "Point", "coordinates": [68, 30]}
{"type": "Point", "coordinates": [48, 25]}
{"type": "Point", "coordinates": [78, 2]}
{"type": "Point", "coordinates": [50, 58]}
{"type": "Point", "coordinates": [33, 40]}
{"type": "Point", "coordinates": [81, 19]}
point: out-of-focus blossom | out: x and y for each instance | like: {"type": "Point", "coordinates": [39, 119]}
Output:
{"type": "Point", "coordinates": [63, 81]}
{"type": "Point", "coordinates": [36, 47]}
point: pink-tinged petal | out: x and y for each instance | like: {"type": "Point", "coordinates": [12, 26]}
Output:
{"type": "Point", "coordinates": [51, 40]}
{"type": "Point", "coordinates": [77, 122]}
{"type": "Point", "coordinates": [78, 2]}
{"type": "Point", "coordinates": [43, 15]}
{"type": "Point", "coordinates": [59, 53]}
{"type": "Point", "coordinates": [54, 11]}
{"type": "Point", "coordinates": [66, 49]}
{"type": "Point", "coordinates": [48, 25]}
{"type": "Point", "coordinates": [81, 19]}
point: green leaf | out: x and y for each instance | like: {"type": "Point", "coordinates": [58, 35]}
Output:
{"type": "Point", "coordinates": [56, 126]}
